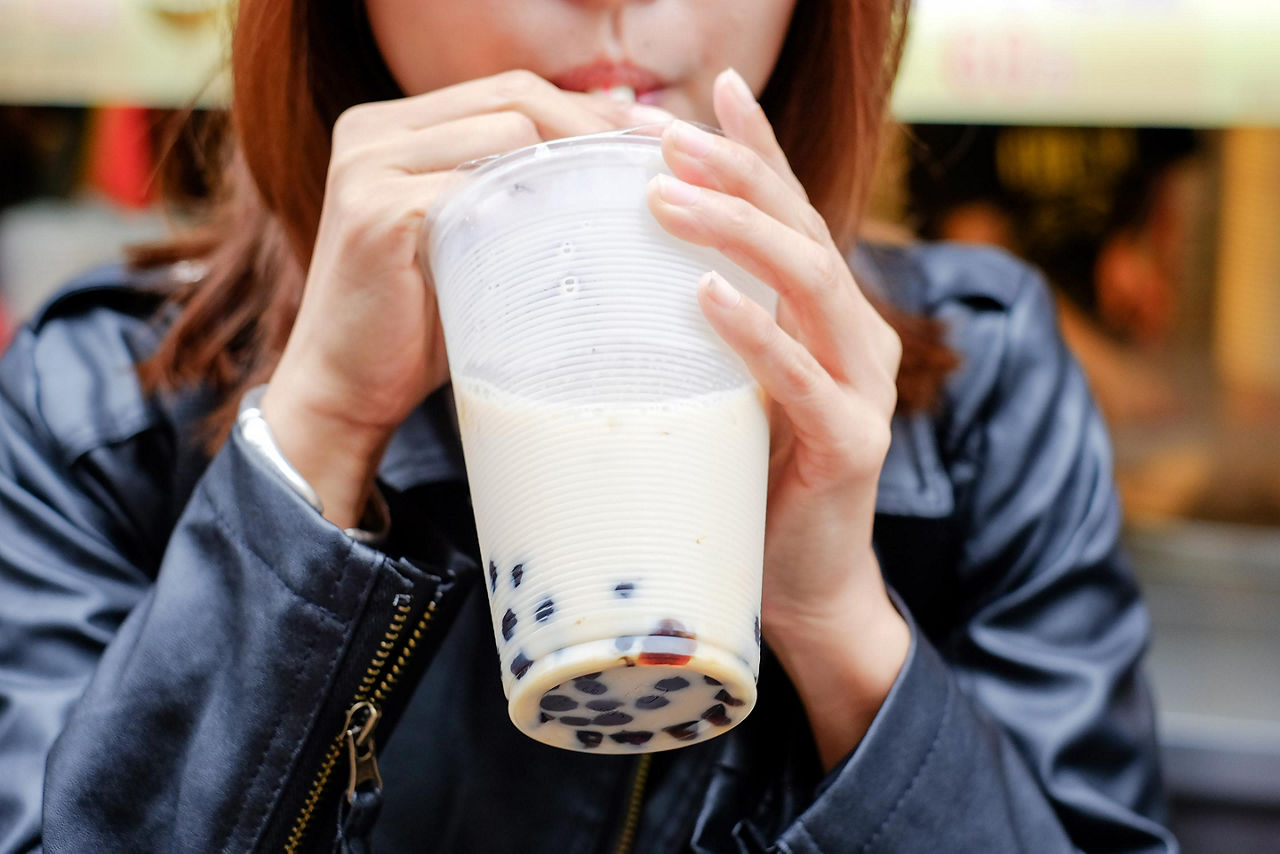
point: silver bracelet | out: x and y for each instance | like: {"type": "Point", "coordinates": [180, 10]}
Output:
{"type": "Point", "coordinates": [375, 523]}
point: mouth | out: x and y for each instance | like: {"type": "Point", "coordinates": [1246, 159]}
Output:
{"type": "Point", "coordinates": [612, 77]}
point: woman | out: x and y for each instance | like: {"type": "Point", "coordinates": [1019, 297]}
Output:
{"type": "Point", "coordinates": [197, 659]}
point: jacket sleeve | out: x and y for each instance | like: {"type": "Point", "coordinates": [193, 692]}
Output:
{"type": "Point", "coordinates": [1029, 728]}
{"type": "Point", "coordinates": [199, 710]}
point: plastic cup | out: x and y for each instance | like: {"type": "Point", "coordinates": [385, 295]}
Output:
{"type": "Point", "coordinates": [616, 448]}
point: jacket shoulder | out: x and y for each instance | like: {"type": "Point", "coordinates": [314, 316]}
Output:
{"type": "Point", "coordinates": [72, 368]}
{"type": "Point", "coordinates": [997, 310]}
{"type": "Point", "coordinates": [930, 278]}
{"type": "Point", "coordinates": [998, 318]}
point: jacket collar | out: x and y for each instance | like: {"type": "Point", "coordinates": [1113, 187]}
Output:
{"type": "Point", "coordinates": [426, 448]}
{"type": "Point", "coordinates": [914, 481]}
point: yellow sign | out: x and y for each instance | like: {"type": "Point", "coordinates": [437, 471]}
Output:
{"type": "Point", "coordinates": [1122, 62]}
{"type": "Point", "coordinates": [1125, 62]}
{"type": "Point", "coordinates": [149, 52]}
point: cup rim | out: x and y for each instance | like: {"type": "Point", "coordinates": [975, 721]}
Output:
{"type": "Point", "coordinates": [462, 176]}
{"type": "Point", "coordinates": [646, 134]}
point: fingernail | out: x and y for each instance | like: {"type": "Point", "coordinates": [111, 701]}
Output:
{"type": "Point", "coordinates": [739, 87]}
{"type": "Point", "coordinates": [676, 192]}
{"type": "Point", "coordinates": [644, 114]}
{"type": "Point", "coordinates": [721, 292]}
{"type": "Point", "coordinates": [691, 140]}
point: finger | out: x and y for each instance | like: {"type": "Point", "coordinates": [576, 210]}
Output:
{"type": "Point", "coordinates": [743, 119]}
{"type": "Point", "coordinates": [555, 112]}
{"type": "Point", "coordinates": [788, 373]}
{"type": "Point", "coordinates": [444, 146]}
{"type": "Point", "coordinates": [732, 167]}
{"type": "Point", "coordinates": [811, 278]}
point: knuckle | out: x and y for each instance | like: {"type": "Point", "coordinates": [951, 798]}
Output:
{"type": "Point", "coordinates": [800, 374]}
{"type": "Point", "coordinates": [761, 337]}
{"type": "Point", "coordinates": [876, 437]}
{"type": "Point", "coordinates": [744, 167]}
{"type": "Point", "coordinates": [349, 121]}
{"type": "Point", "coordinates": [517, 129]}
{"type": "Point", "coordinates": [739, 220]}
{"type": "Point", "coordinates": [813, 222]}
{"type": "Point", "coordinates": [829, 270]}
{"type": "Point", "coordinates": [517, 84]}
{"type": "Point", "coordinates": [892, 345]}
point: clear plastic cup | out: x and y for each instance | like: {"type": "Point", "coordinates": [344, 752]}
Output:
{"type": "Point", "coordinates": [616, 448]}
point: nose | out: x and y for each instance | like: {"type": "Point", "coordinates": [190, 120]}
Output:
{"type": "Point", "coordinates": [610, 13]}
{"type": "Point", "coordinates": [608, 4]}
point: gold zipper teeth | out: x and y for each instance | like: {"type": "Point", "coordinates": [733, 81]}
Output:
{"type": "Point", "coordinates": [371, 674]}
{"type": "Point", "coordinates": [313, 797]}
{"type": "Point", "coordinates": [632, 821]}
{"type": "Point", "coordinates": [410, 644]}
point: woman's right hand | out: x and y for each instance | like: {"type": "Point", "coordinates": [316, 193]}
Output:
{"type": "Point", "coordinates": [366, 347]}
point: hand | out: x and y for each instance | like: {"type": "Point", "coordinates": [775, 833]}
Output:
{"type": "Point", "coordinates": [829, 364]}
{"type": "Point", "coordinates": [366, 347]}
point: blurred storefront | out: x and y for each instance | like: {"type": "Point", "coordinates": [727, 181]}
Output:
{"type": "Point", "coordinates": [1130, 148]}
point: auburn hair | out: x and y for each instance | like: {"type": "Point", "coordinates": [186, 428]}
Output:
{"type": "Point", "coordinates": [297, 65]}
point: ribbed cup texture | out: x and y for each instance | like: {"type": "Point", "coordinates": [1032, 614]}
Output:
{"type": "Point", "coordinates": [616, 449]}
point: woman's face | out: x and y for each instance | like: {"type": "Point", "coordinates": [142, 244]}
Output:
{"type": "Point", "coordinates": [667, 51]}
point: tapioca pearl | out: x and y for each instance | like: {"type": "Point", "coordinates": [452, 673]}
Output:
{"type": "Point", "coordinates": [673, 683]}
{"type": "Point", "coordinates": [508, 624]}
{"type": "Point", "coordinates": [629, 737]}
{"type": "Point", "coordinates": [686, 731]}
{"type": "Point", "coordinates": [520, 665]}
{"type": "Point", "coordinates": [517, 574]}
{"type": "Point", "coordinates": [671, 629]}
{"type": "Point", "coordinates": [589, 685]}
{"type": "Point", "coordinates": [595, 675]}
{"type": "Point", "coordinates": [493, 577]}
{"type": "Point", "coordinates": [624, 590]}
{"type": "Point", "coordinates": [573, 720]}
{"type": "Point", "coordinates": [545, 609]}
{"type": "Point", "coordinates": [603, 705]}
{"type": "Point", "coordinates": [558, 703]}
{"type": "Point", "coordinates": [589, 738]}
{"type": "Point", "coordinates": [759, 638]}
{"type": "Point", "coordinates": [728, 699]}
{"type": "Point", "coordinates": [653, 701]}
{"type": "Point", "coordinates": [711, 681]}
{"type": "Point", "coordinates": [715, 715]}
{"type": "Point", "coordinates": [544, 718]}
{"type": "Point", "coordinates": [612, 719]}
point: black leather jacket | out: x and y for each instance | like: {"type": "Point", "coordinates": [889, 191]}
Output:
{"type": "Point", "coordinates": [181, 638]}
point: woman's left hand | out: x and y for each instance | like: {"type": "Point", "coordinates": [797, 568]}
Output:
{"type": "Point", "coordinates": [828, 363]}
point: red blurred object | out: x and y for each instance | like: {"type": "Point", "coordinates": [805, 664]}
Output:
{"type": "Point", "coordinates": [5, 330]}
{"type": "Point", "coordinates": [121, 161]}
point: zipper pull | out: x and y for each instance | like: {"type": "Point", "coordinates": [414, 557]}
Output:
{"type": "Point", "coordinates": [361, 720]}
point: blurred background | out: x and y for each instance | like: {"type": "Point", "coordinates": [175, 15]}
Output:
{"type": "Point", "coordinates": [1129, 148]}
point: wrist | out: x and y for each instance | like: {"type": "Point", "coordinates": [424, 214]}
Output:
{"type": "Point", "coordinates": [843, 657]}
{"type": "Point", "coordinates": [336, 456]}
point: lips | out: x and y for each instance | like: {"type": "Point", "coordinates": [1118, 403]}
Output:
{"type": "Point", "coordinates": [607, 75]}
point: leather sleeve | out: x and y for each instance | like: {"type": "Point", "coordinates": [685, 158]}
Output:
{"type": "Point", "coordinates": [192, 711]}
{"type": "Point", "coordinates": [1029, 728]}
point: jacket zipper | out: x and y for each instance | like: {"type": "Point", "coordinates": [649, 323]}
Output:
{"type": "Point", "coordinates": [362, 717]}
{"type": "Point", "coordinates": [631, 821]}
